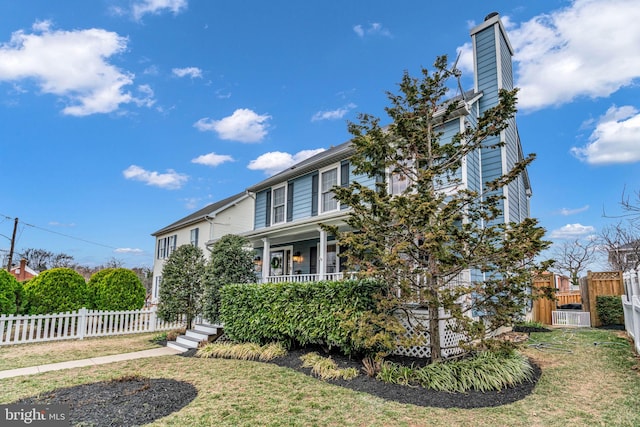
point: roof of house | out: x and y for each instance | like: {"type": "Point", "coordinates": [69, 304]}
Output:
{"type": "Point", "coordinates": [335, 153]}
{"type": "Point", "coordinates": [203, 213]}
{"type": "Point", "coordinates": [311, 164]}
{"type": "Point", "coordinates": [16, 270]}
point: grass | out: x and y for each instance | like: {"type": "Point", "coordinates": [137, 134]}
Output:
{"type": "Point", "coordinates": [23, 355]}
{"type": "Point", "coordinates": [582, 385]}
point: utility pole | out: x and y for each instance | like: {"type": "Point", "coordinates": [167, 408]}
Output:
{"type": "Point", "coordinates": [13, 242]}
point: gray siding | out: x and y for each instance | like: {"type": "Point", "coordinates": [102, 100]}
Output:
{"type": "Point", "coordinates": [302, 197]}
{"type": "Point", "coordinates": [473, 159]}
{"type": "Point", "coordinates": [261, 210]}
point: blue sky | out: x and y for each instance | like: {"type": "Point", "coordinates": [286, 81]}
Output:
{"type": "Point", "coordinates": [120, 117]}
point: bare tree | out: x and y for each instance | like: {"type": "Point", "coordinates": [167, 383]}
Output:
{"type": "Point", "coordinates": [621, 242]}
{"type": "Point", "coordinates": [573, 257]}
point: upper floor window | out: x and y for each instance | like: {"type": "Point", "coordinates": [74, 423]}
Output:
{"type": "Point", "coordinates": [166, 246]}
{"type": "Point", "coordinates": [194, 236]}
{"type": "Point", "coordinates": [279, 199]}
{"type": "Point", "coordinates": [399, 180]}
{"type": "Point", "coordinates": [328, 179]}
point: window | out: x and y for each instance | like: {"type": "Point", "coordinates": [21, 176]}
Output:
{"type": "Point", "coordinates": [399, 180]}
{"type": "Point", "coordinates": [156, 286]}
{"type": "Point", "coordinates": [278, 208]}
{"type": "Point", "coordinates": [194, 237]}
{"type": "Point", "coordinates": [328, 180]}
{"type": "Point", "coordinates": [166, 246]}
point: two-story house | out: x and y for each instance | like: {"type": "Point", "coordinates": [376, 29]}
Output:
{"type": "Point", "coordinates": [290, 205]}
{"type": "Point", "coordinates": [288, 208]}
{"type": "Point", "coordinates": [232, 215]}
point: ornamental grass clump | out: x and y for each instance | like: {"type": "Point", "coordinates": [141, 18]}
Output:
{"type": "Point", "coordinates": [484, 372]}
{"type": "Point", "coordinates": [326, 368]}
{"type": "Point", "coordinates": [243, 351]}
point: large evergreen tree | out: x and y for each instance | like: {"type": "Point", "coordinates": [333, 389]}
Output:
{"type": "Point", "coordinates": [181, 286]}
{"type": "Point", "coordinates": [422, 239]}
{"type": "Point", "coordinates": [231, 263]}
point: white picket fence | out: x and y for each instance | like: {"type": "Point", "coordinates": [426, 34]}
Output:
{"type": "Point", "coordinates": [571, 318]}
{"type": "Point", "coordinates": [631, 305]}
{"type": "Point", "coordinates": [80, 324]}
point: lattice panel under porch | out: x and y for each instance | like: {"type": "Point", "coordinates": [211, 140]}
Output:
{"type": "Point", "coordinates": [448, 340]}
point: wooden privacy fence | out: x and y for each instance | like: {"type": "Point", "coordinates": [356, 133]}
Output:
{"type": "Point", "coordinates": [591, 286]}
{"type": "Point", "coordinates": [80, 324]}
{"type": "Point", "coordinates": [543, 308]}
{"type": "Point", "coordinates": [596, 284]}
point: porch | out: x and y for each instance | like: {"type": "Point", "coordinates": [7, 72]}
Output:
{"type": "Point", "coordinates": [298, 252]}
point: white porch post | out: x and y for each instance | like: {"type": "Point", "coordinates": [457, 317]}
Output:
{"type": "Point", "coordinates": [266, 252]}
{"type": "Point", "coordinates": [322, 255]}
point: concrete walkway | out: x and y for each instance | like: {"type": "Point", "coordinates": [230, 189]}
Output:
{"type": "Point", "coordinates": [162, 351]}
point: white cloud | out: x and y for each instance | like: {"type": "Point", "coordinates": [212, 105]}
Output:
{"type": "Point", "coordinates": [588, 49]}
{"type": "Point", "coordinates": [276, 161]}
{"type": "Point", "coordinates": [373, 29]}
{"type": "Point", "coordinates": [84, 78]}
{"type": "Point", "coordinates": [243, 125]}
{"type": "Point", "coordinates": [615, 138]}
{"type": "Point", "coordinates": [334, 114]}
{"type": "Point", "coordinates": [143, 7]}
{"type": "Point", "coordinates": [193, 72]}
{"type": "Point", "coordinates": [171, 180]}
{"type": "Point", "coordinates": [60, 224]}
{"type": "Point", "coordinates": [572, 231]}
{"type": "Point", "coordinates": [134, 251]}
{"type": "Point", "coordinates": [568, 212]}
{"type": "Point", "coordinates": [212, 159]}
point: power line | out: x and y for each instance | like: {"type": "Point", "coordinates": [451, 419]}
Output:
{"type": "Point", "coordinates": [62, 234]}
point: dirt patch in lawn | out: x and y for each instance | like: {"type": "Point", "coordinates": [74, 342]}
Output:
{"type": "Point", "coordinates": [126, 401]}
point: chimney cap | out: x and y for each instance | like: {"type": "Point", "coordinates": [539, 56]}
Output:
{"type": "Point", "coordinates": [491, 15]}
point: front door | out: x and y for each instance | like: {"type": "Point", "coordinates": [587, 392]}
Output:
{"type": "Point", "coordinates": [280, 263]}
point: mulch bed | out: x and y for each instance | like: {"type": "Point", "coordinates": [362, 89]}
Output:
{"type": "Point", "coordinates": [414, 395]}
{"type": "Point", "coordinates": [127, 401]}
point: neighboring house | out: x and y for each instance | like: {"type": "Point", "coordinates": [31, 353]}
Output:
{"type": "Point", "coordinates": [290, 205]}
{"type": "Point", "coordinates": [625, 257]}
{"type": "Point", "coordinates": [202, 228]}
{"type": "Point", "coordinates": [23, 272]}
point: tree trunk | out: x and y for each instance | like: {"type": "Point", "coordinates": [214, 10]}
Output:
{"type": "Point", "coordinates": [434, 333]}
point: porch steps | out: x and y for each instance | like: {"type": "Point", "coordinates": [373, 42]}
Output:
{"type": "Point", "coordinates": [201, 332]}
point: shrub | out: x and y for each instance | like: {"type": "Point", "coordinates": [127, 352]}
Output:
{"type": "Point", "coordinates": [181, 286]}
{"type": "Point", "coordinates": [92, 285]}
{"type": "Point", "coordinates": [118, 289]}
{"type": "Point", "coordinates": [298, 313]}
{"type": "Point", "coordinates": [10, 293]}
{"type": "Point", "coordinates": [55, 291]}
{"type": "Point", "coordinates": [609, 309]}
{"type": "Point", "coordinates": [483, 372]}
{"type": "Point", "coordinates": [231, 262]}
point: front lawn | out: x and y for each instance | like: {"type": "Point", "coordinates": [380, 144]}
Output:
{"type": "Point", "coordinates": [581, 384]}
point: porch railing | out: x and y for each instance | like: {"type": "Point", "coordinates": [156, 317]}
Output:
{"type": "Point", "coordinates": [302, 278]}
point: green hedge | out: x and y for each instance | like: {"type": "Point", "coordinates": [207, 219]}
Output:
{"type": "Point", "coordinates": [10, 293]}
{"type": "Point", "coordinates": [117, 289]}
{"type": "Point", "coordinates": [56, 291]}
{"type": "Point", "coordinates": [609, 309]}
{"type": "Point", "coordinates": [298, 313]}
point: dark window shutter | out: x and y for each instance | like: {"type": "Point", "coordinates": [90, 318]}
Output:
{"type": "Point", "coordinates": [315, 179]}
{"type": "Point", "coordinates": [290, 202]}
{"type": "Point", "coordinates": [268, 215]}
{"type": "Point", "coordinates": [344, 173]}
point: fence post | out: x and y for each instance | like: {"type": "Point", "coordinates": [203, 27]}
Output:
{"type": "Point", "coordinates": [82, 322]}
{"type": "Point", "coordinates": [152, 319]}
